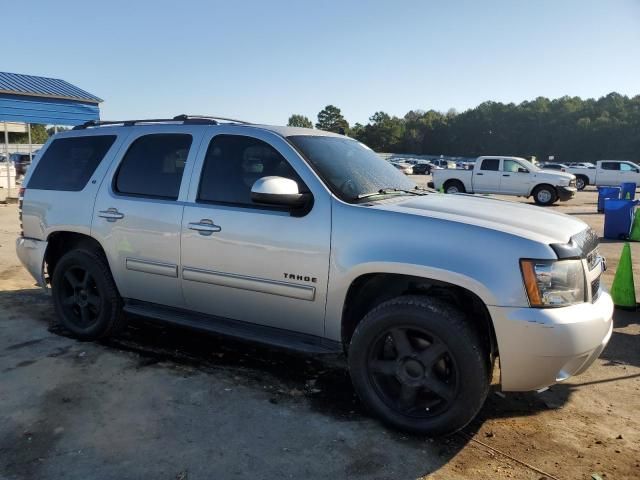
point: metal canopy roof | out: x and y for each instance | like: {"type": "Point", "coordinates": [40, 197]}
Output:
{"type": "Point", "coordinates": [31, 99]}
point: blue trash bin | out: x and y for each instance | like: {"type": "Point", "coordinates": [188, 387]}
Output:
{"type": "Point", "coordinates": [628, 188]}
{"type": "Point", "coordinates": [618, 217]}
{"type": "Point", "coordinates": [606, 192]}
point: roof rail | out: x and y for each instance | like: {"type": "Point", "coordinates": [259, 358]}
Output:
{"type": "Point", "coordinates": [206, 117]}
{"type": "Point", "coordinates": [185, 119]}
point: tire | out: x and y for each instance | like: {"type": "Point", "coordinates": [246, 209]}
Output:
{"type": "Point", "coordinates": [581, 182]}
{"type": "Point", "coordinates": [454, 186]}
{"type": "Point", "coordinates": [545, 195]}
{"type": "Point", "coordinates": [85, 296]}
{"type": "Point", "coordinates": [386, 356]}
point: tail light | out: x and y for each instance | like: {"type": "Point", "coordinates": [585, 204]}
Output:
{"type": "Point", "coordinates": [20, 202]}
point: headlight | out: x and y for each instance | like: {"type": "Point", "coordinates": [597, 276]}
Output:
{"type": "Point", "coordinates": [553, 283]}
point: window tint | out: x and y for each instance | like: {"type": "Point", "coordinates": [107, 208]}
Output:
{"type": "Point", "coordinates": [511, 166]}
{"type": "Point", "coordinates": [490, 164]}
{"type": "Point", "coordinates": [610, 166]}
{"type": "Point", "coordinates": [153, 166]}
{"type": "Point", "coordinates": [68, 163]}
{"type": "Point", "coordinates": [233, 164]}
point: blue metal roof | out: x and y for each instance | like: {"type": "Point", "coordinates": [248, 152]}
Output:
{"type": "Point", "coordinates": [30, 85]}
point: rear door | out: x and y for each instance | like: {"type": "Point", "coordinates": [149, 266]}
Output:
{"type": "Point", "coordinates": [486, 179]}
{"type": "Point", "coordinates": [138, 212]}
{"type": "Point", "coordinates": [608, 173]}
{"type": "Point", "coordinates": [250, 262]}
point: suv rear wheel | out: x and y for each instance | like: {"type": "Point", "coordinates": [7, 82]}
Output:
{"type": "Point", "coordinates": [85, 296]}
{"type": "Point", "coordinates": [419, 366]}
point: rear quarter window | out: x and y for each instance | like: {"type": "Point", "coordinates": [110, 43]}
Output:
{"type": "Point", "coordinates": [68, 163]}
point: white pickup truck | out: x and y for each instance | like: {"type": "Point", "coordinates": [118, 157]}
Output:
{"type": "Point", "coordinates": [508, 176]}
{"type": "Point", "coordinates": [607, 172]}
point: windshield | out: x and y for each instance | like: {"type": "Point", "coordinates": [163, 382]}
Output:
{"type": "Point", "coordinates": [350, 169]}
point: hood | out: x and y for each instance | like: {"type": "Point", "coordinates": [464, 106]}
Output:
{"type": "Point", "coordinates": [554, 174]}
{"type": "Point", "coordinates": [528, 221]}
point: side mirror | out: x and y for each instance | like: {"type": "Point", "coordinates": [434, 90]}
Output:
{"type": "Point", "coordinates": [278, 191]}
{"type": "Point", "coordinates": [522, 170]}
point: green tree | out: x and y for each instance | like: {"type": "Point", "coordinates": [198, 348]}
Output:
{"type": "Point", "coordinates": [330, 119]}
{"type": "Point", "coordinates": [38, 135]}
{"type": "Point", "coordinates": [296, 120]}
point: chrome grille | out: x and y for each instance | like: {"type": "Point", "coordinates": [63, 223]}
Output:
{"type": "Point", "coordinates": [595, 289]}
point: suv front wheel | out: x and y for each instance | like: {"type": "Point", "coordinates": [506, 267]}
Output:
{"type": "Point", "coordinates": [419, 366]}
{"type": "Point", "coordinates": [85, 296]}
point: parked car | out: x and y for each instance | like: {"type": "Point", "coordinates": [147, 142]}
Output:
{"type": "Point", "coordinates": [305, 239]}
{"type": "Point", "coordinates": [422, 168]}
{"type": "Point", "coordinates": [555, 166]}
{"type": "Point", "coordinates": [580, 165]}
{"type": "Point", "coordinates": [607, 173]}
{"type": "Point", "coordinates": [21, 161]}
{"type": "Point", "coordinates": [508, 176]}
{"type": "Point", "coordinates": [405, 168]}
{"type": "Point", "coordinates": [443, 163]}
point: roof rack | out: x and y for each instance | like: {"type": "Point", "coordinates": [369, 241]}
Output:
{"type": "Point", "coordinates": [185, 119]}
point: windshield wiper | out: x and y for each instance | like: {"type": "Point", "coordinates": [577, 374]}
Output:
{"type": "Point", "coordinates": [388, 191]}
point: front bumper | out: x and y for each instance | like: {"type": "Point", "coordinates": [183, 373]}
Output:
{"type": "Point", "coordinates": [566, 193]}
{"type": "Point", "coordinates": [31, 253]}
{"type": "Point", "coordinates": [539, 347]}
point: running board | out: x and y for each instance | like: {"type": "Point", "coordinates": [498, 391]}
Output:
{"type": "Point", "coordinates": [275, 337]}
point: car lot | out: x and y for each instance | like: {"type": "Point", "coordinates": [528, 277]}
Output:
{"type": "Point", "coordinates": [164, 403]}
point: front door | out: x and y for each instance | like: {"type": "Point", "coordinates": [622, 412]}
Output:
{"type": "Point", "coordinates": [137, 215]}
{"type": "Point", "coordinates": [250, 262]}
{"type": "Point", "coordinates": [487, 178]}
{"type": "Point", "coordinates": [515, 178]}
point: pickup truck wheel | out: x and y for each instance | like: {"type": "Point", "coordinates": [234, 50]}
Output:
{"type": "Point", "coordinates": [581, 182]}
{"type": "Point", "coordinates": [545, 195]}
{"type": "Point", "coordinates": [454, 186]}
{"type": "Point", "coordinates": [85, 296]}
{"type": "Point", "coordinates": [419, 366]}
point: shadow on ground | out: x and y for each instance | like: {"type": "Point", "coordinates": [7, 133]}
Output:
{"type": "Point", "coordinates": [288, 379]}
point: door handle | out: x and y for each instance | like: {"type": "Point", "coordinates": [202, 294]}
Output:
{"type": "Point", "coordinates": [479, 173]}
{"type": "Point", "coordinates": [205, 226]}
{"type": "Point", "coordinates": [505, 175]}
{"type": "Point", "coordinates": [111, 214]}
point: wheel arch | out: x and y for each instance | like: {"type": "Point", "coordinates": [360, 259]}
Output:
{"type": "Point", "coordinates": [371, 289]}
{"type": "Point", "coordinates": [63, 241]}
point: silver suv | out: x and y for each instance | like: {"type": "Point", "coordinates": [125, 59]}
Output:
{"type": "Point", "coordinates": [308, 240]}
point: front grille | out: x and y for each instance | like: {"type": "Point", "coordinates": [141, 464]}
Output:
{"type": "Point", "coordinates": [595, 289]}
{"type": "Point", "coordinates": [586, 241]}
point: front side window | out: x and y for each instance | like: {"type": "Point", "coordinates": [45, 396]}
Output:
{"type": "Point", "coordinates": [625, 167]}
{"type": "Point", "coordinates": [350, 169]}
{"type": "Point", "coordinates": [511, 166]}
{"type": "Point", "coordinates": [153, 166]}
{"type": "Point", "coordinates": [491, 164]}
{"type": "Point", "coordinates": [610, 166]}
{"type": "Point", "coordinates": [232, 165]}
{"type": "Point", "coordinates": [68, 163]}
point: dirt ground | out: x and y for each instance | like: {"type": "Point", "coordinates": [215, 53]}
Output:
{"type": "Point", "coordinates": [164, 403]}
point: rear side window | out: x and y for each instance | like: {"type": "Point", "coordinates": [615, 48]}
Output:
{"type": "Point", "coordinates": [68, 163]}
{"type": "Point", "coordinates": [153, 166]}
{"type": "Point", "coordinates": [492, 164]}
{"type": "Point", "coordinates": [610, 166]}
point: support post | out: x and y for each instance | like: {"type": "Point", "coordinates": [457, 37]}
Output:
{"type": "Point", "coordinates": [7, 159]}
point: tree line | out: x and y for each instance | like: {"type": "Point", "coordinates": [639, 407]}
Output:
{"type": "Point", "coordinates": [568, 128]}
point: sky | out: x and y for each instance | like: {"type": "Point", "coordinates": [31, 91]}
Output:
{"type": "Point", "coordinates": [261, 61]}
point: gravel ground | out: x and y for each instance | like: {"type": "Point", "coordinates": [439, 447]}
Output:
{"type": "Point", "coordinates": [162, 403]}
